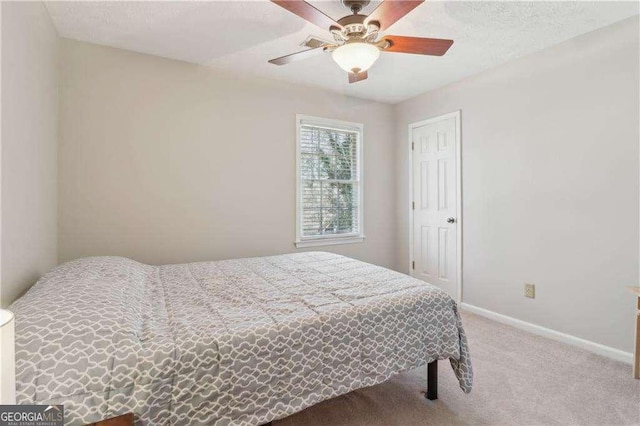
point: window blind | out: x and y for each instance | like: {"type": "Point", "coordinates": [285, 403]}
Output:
{"type": "Point", "coordinates": [330, 181]}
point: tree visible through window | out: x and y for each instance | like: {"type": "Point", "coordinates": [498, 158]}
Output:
{"type": "Point", "coordinates": [329, 180]}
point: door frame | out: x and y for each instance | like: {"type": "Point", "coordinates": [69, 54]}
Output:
{"type": "Point", "coordinates": [436, 119]}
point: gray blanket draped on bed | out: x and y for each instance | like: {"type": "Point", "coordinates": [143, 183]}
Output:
{"type": "Point", "coordinates": [238, 342]}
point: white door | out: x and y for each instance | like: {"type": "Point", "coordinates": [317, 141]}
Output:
{"type": "Point", "coordinates": [435, 224]}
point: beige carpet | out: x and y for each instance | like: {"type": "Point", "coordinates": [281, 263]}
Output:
{"type": "Point", "coordinates": [520, 379]}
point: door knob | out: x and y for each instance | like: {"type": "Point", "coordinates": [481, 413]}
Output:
{"type": "Point", "coordinates": [451, 220]}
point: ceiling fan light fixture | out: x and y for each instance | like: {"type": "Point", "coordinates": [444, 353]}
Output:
{"type": "Point", "coordinates": [358, 56]}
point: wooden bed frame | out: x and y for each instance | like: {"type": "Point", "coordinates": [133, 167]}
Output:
{"type": "Point", "coordinates": [432, 394]}
{"type": "Point", "coordinates": [123, 420]}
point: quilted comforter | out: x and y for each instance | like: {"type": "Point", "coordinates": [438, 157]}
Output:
{"type": "Point", "coordinates": [234, 342]}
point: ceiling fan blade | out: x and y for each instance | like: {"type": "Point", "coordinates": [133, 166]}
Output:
{"type": "Point", "coordinates": [390, 11]}
{"type": "Point", "coordinates": [298, 56]}
{"type": "Point", "coordinates": [354, 78]}
{"type": "Point", "coordinates": [418, 45]}
{"type": "Point", "coordinates": [307, 12]}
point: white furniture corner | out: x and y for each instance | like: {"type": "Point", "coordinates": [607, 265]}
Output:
{"type": "Point", "coordinates": [7, 359]}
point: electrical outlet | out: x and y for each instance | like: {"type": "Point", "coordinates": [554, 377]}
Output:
{"type": "Point", "coordinates": [530, 290]}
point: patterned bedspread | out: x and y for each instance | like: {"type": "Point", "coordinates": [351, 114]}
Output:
{"type": "Point", "coordinates": [234, 342]}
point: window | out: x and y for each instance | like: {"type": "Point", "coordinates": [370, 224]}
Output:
{"type": "Point", "coordinates": [329, 187]}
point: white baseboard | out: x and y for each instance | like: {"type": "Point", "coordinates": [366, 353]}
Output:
{"type": "Point", "coordinates": [594, 347]}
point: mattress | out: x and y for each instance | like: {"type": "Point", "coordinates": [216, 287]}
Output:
{"type": "Point", "coordinates": [233, 342]}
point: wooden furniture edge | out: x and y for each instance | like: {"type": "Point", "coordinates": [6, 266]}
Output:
{"type": "Point", "coordinates": [123, 420]}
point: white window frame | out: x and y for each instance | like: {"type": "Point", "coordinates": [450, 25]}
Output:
{"type": "Point", "coordinates": [325, 240]}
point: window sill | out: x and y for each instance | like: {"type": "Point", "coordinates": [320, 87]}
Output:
{"type": "Point", "coordinates": [328, 241]}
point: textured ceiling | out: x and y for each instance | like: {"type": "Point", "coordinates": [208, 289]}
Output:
{"type": "Point", "coordinates": [243, 35]}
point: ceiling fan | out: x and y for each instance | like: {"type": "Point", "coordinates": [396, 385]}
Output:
{"type": "Point", "coordinates": [357, 41]}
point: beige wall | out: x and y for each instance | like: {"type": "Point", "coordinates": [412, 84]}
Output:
{"type": "Point", "coordinates": [164, 161]}
{"type": "Point", "coordinates": [28, 138]}
{"type": "Point", "coordinates": [550, 183]}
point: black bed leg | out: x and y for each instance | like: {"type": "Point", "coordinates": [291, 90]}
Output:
{"type": "Point", "coordinates": [432, 380]}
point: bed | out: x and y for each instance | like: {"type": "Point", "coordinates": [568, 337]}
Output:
{"type": "Point", "coordinates": [233, 342]}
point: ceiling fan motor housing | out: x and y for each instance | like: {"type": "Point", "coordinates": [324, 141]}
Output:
{"type": "Point", "coordinates": [355, 26]}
